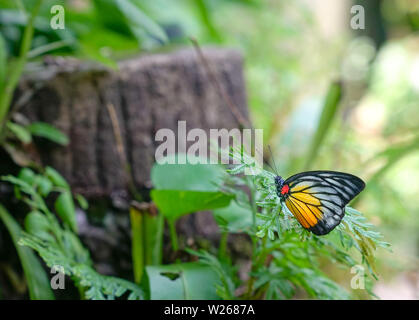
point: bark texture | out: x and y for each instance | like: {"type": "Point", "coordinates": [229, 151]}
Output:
{"type": "Point", "coordinates": [146, 93]}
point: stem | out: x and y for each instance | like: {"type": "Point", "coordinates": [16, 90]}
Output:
{"type": "Point", "coordinates": [121, 152]}
{"type": "Point", "coordinates": [222, 251]}
{"type": "Point", "coordinates": [137, 243]}
{"type": "Point", "coordinates": [173, 234]}
{"type": "Point", "coordinates": [16, 72]}
{"type": "Point", "coordinates": [252, 201]}
{"type": "Point", "coordinates": [255, 259]}
{"type": "Point", "coordinates": [257, 262]}
{"type": "Point", "coordinates": [214, 80]}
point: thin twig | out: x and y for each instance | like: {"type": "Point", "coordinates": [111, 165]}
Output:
{"type": "Point", "coordinates": [233, 108]}
{"type": "Point", "coordinates": [121, 150]}
{"type": "Point", "coordinates": [48, 47]}
{"type": "Point", "coordinates": [117, 132]}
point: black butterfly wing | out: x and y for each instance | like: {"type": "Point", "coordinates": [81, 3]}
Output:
{"type": "Point", "coordinates": [318, 198]}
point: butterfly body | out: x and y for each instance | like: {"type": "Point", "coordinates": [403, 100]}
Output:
{"type": "Point", "coordinates": [317, 199]}
{"type": "Point", "coordinates": [282, 189]}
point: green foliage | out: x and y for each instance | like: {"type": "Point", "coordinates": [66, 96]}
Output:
{"type": "Point", "coordinates": [56, 244]}
{"type": "Point", "coordinates": [328, 113]}
{"type": "Point", "coordinates": [361, 235]}
{"type": "Point", "coordinates": [175, 203]}
{"type": "Point", "coordinates": [234, 218]}
{"type": "Point", "coordinates": [225, 288]}
{"type": "Point", "coordinates": [47, 131]}
{"type": "Point", "coordinates": [20, 132]}
{"type": "Point", "coordinates": [17, 70]}
{"type": "Point", "coordinates": [191, 187]}
{"type": "Point", "coordinates": [56, 178]}
{"type": "Point", "coordinates": [94, 285]}
{"type": "Point", "coordinates": [147, 239]}
{"type": "Point", "coordinates": [64, 206]}
{"type": "Point", "coordinates": [291, 251]}
{"type": "Point", "coordinates": [186, 188]}
{"type": "Point", "coordinates": [36, 278]}
{"type": "Point", "coordinates": [11, 69]}
{"type": "Point", "coordinates": [142, 26]}
{"type": "Point", "coordinates": [120, 26]}
{"type": "Point", "coordinates": [285, 256]}
{"type": "Point", "coordinates": [187, 281]}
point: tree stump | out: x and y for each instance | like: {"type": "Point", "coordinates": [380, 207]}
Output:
{"type": "Point", "coordinates": [92, 105]}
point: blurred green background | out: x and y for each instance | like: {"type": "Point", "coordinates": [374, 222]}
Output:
{"type": "Point", "coordinates": [293, 51]}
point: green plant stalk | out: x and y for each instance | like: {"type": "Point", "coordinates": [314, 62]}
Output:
{"type": "Point", "coordinates": [153, 228]}
{"type": "Point", "coordinates": [257, 261]}
{"type": "Point", "coordinates": [205, 15]}
{"type": "Point", "coordinates": [330, 108]}
{"type": "Point", "coordinates": [173, 234]}
{"type": "Point", "coordinates": [222, 250]}
{"type": "Point", "coordinates": [137, 243]}
{"type": "Point", "coordinates": [16, 72]}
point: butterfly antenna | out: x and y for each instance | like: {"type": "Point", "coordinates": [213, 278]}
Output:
{"type": "Point", "coordinates": [263, 159]}
{"type": "Point", "coordinates": [273, 160]}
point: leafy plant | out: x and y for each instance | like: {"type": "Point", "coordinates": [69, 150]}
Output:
{"type": "Point", "coordinates": [56, 242]}
{"type": "Point", "coordinates": [37, 280]}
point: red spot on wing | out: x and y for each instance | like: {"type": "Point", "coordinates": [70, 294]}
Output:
{"type": "Point", "coordinates": [285, 189]}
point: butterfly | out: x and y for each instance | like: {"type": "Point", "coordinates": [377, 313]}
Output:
{"type": "Point", "coordinates": [317, 199]}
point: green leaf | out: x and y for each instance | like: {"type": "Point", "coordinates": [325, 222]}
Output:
{"type": "Point", "coordinates": [186, 188]}
{"type": "Point", "coordinates": [182, 281]}
{"type": "Point", "coordinates": [20, 132]}
{"type": "Point", "coordinates": [27, 175]}
{"type": "Point", "coordinates": [38, 225]}
{"type": "Point", "coordinates": [140, 24]}
{"type": "Point", "coordinates": [37, 280]}
{"type": "Point", "coordinates": [175, 203]}
{"type": "Point", "coordinates": [190, 176]}
{"type": "Point", "coordinates": [225, 289]}
{"type": "Point", "coordinates": [47, 131]}
{"type": "Point", "coordinates": [43, 184]}
{"type": "Point", "coordinates": [330, 107]}
{"type": "Point", "coordinates": [82, 202]}
{"type": "Point", "coordinates": [235, 217]}
{"type": "Point", "coordinates": [56, 178]}
{"type": "Point", "coordinates": [206, 19]}
{"type": "Point", "coordinates": [64, 205]}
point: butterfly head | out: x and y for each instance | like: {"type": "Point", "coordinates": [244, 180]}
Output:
{"type": "Point", "coordinates": [281, 189]}
{"type": "Point", "coordinates": [279, 181]}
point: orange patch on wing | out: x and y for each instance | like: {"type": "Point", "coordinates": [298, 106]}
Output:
{"type": "Point", "coordinates": [294, 210]}
{"type": "Point", "coordinates": [316, 211]}
{"type": "Point", "coordinates": [302, 212]}
{"type": "Point", "coordinates": [299, 188]}
{"type": "Point", "coordinates": [312, 220]}
{"type": "Point", "coordinates": [306, 197]}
